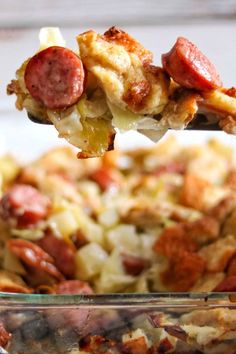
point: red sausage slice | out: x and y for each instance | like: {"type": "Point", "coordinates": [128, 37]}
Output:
{"type": "Point", "coordinates": [189, 67]}
{"type": "Point", "coordinates": [25, 204]}
{"type": "Point", "coordinates": [62, 252]}
{"type": "Point", "coordinates": [55, 77]}
{"type": "Point", "coordinates": [133, 265]}
{"type": "Point", "coordinates": [34, 256]}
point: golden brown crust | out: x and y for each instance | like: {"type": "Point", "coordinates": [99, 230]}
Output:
{"type": "Point", "coordinates": [193, 191]}
{"type": "Point", "coordinates": [174, 240]}
{"type": "Point", "coordinates": [117, 36]}
{"type": "Point", "coordinates": [222, 210]}
{"type": "Point", "coordinates": [184, 270]}
{"type": "Point", "coordinates": [185, 266]}
{"type": "Point", "coordinates": [13, 87]}
{"type": "Point", "coordinates": [136, 94]}
{"type": "Point", "coordinates": [136, 346]}
{"type": "Point", "coordinates": [218, 254]}
{"type": "Point", "coordinates": [203, 230]}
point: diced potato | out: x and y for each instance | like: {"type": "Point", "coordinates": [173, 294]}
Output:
{"type": "Point", "coordinates": [108, 217]}
{"type": "Point", "coordinates": [147, 242]}
{"type": "Point", "coordinates": [113, 278]}
{"type": "Point", "coordinates": [92, 230]}
{"type": "Point", "coordinates": [91, 193]}
{"type": "Point", "coordinates": [89, 261]}
{"type": "Point", "coordinates": [59, 189]}
{"type": "Point", "coordinates": [12, 263]}
{"type": "Point", "coordinates": [63, 223]}
{"type": "Point", "coordinates": [123, 237]}
{"type": "Point", "coordinates": [9, 168]}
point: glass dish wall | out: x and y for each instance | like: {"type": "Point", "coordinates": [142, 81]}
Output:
{"type": "Point", "coordinates": [136, 324]}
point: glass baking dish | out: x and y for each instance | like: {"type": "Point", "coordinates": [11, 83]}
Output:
{"type": "Point", "coordinates": [118, 323]}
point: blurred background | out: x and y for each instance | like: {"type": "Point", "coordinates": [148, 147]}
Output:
{"type": "Point", "coordinates": [211, 24]}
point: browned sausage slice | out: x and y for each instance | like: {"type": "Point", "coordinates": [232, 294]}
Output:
{"type": "Point", "coordinates": [133, 265]}
{"type": "Point", "coordinates": [25, 204]}
{"type": "Point", "coordinates": [189, 67]}
{"type": "Point", "coordinates": [62, 252]}
{"type": "Point", "coordinates": [34, 256]}
{"type": "Point", "coordinates": [55, 77]}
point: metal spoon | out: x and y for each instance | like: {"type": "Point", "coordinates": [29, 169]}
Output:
{"type": "Point", "coordinates": [200, 122]}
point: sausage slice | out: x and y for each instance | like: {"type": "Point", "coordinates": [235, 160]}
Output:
{"type": "Point", "coordinates": [25, 204]}
{"type": "Point", "coordinates": [55, 77]}
{"type": "Point", "coordinates": [189, 67]}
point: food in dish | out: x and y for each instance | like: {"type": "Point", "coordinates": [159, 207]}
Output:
{"type": "Point", "coordinates": [151, 220]}
{"type": "Point", "coordinates": [112, 83]}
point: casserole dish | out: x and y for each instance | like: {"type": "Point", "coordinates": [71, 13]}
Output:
{"type": "Point", "coordinates": [130, 323]}
{"type": "Point", "coordinates": [135, 228]}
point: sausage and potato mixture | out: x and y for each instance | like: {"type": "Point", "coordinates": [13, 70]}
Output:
{"type": "Point", "coordinates": [160, 219]}
{"type": "Point", "coordinates": [150, 220]}
{"type": "Point", "coordinates": [112, 83]}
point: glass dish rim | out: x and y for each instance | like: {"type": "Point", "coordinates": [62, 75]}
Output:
{"type": "Point", "coordinates": [163, 299]}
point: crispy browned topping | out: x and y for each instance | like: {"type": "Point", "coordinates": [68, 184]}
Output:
{"type": "Point", "coordinates": [183, 271]}
{"type": "Point", "coordinates": [96, 344]}
{"type": "Point", "coordinates": [174, 240]}
{"type": "Point", "coordinates": [13, 87]}
{"type": "Point", "coordinates": [136, 94]}
{"type": "Point", "coordinates": [185, 266]}
{"type": "Point", "coordinates": [193, 191]}
{"type": "Point", "coordinates": [203, 230]}
{"type": "Point", "coordinates": [116, 35]}
{"type": "Point", "coordinates": [136, 346]}
{"type": "Point", "coordinates": [218, 254]}
{"type": "Point", "coordinates": [222, 210]}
